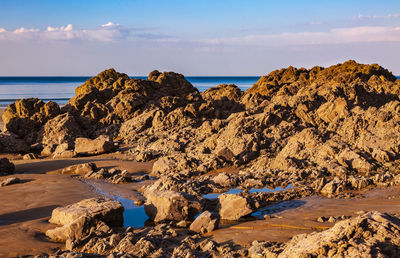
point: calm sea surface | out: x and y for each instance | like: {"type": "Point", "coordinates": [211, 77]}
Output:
{"type": "Point", "coordinates": [61, 89]}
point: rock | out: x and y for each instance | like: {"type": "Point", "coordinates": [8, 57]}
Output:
{"type": "Point", "coordinates": [61, 129]}
{"type": "Point", "coordinates": [10, 143]}
{"type": "Point", "coordinates": [29, 156]}
{"type": "Point", "coordinates": [10, 181]}
{"type": "Point", "coordinates": [110, 212]}
{"type": "Point", "coordinates": [233, 207]}
{"type": "Point", "coordinates": [182, 224]}
{"type": "Point", "coordinates": [344, 239]}
{"type": "Point", "coordinates": [79, 228]}
{"type": "Point", "coordinates": [63, 151]}
{"type": "Point", "coordinates": [100, 145]}
{"type": "Point", "coordinates": [170, 205]}
{"type": "Point", "coordinates": [6, 167]}
{"type": "Point", "coordinates": [205, 223]}
{"type": "Point", "coordinates": [80, 169]}
{"type": "Point", "coordinates": [25, 116]}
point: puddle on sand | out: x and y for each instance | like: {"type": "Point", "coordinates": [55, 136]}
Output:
{"type": "Point", "coordinates": [252, 190]}
{"type": "Point", "coordinates": [134, 216]}
{"type": "Point", "coordinates": [278, 207]}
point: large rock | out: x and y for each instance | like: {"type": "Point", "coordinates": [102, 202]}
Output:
{"type": "Point", "coordinates": [6, 167]}
{"type": "Point", "coordinates": [170, 205]}
{"type": "Point", "coordinates": [103, 209]}
{"type": "Point", "coordinates": [25, 116]}
{"type": "Point", "coordinates": [233, 207]}
{"type": "Point", "coordinates": [371, 235]}
{"type": "Point", "coordinates": [61, 129]}
{"type": "Point", "coordinates": [10, 143]}
{"type": "Point", "coordinates": [100, 145]}
{"type": "Point", "coordinates": [90, 216]}
{"type": "Point", "coordinates": [205, 223]}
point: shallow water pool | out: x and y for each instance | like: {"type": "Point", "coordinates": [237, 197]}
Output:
{"type": "Point", "coordinates": [252, 190]}
{"type": "Point", "coordinates": [134, 215]}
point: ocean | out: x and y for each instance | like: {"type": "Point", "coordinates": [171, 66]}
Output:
{"type": "Point", "coordinates": [61, 89]}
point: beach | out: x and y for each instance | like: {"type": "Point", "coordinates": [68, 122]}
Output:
{"type": "Point", "coordinates": [290, 166]}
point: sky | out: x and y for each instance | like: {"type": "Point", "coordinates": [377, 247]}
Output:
{"type": "Point", "coordinates": [194, 37]}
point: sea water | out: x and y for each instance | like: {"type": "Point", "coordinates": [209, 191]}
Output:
{"type": "Point", "coordinates": [61, 89]}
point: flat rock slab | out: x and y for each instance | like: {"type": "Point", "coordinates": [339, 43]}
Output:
{"type": "Point", "coordinates": [108, 211]}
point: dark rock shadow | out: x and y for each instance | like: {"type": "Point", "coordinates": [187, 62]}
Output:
{"type": "Point", "coordinates": [26, 215]}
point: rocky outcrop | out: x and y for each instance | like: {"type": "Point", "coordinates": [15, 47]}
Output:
{"type": "Point", "coordinates": [170, 205]}
{"type": "Point", "coordinates": [80, 220]}
{"type": "Point", "coordinates": [25, 117]}
{"type": "Point", "coordinates": [11, 143]}
{"type": "Point", "coordinates": [6, 167]}
{"type": "Point", "coordinates": [371, 235]}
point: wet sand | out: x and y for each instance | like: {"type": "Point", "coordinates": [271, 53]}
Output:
{"type": "Point", "coordinates": [302, 219]}
{"type": "Point", "coordinates": [26, 207]}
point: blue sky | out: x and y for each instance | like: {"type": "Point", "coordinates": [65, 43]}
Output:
{"type": "Point", "coordinates": [194, 37]}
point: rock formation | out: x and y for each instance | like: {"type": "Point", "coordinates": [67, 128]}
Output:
{"type": "Point", "coordinates": [6, 167]}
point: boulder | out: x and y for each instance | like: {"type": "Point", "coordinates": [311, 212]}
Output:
{"type": "Point", "coordinates": [79, 228]}
{"type": "Point", "coordinates": [6, 167]}
{"type": "Point", "coordinates": [205, 223]}
{"type": "Point", "coordinates": [233, 207]}
{"type": "Point", "coordinates": [170, 205]}
{"type": "Point", "coordinates": [110, 212]}
{"type": "Point", "coordinates": [86, 146]}
{"type": "Point", "coordinates": [80, 169]}
{"type": "Point", "coordinates": [61, 129]}
{"type": "Point", "coordinates": [10, 143]}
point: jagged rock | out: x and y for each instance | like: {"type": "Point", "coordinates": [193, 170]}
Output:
{"type": "Point", "coordinates": [205, 223]}
{"type": "Point", "coordinates": [61, 129]}
{"type": "Point", "coordinates": [9, 143]}
{"type": "Point", "coordinates": [100, 145]}
{"type": "Point", "coordinates": [10, 181]}
{"type": "Point", "coordinates": [371, 235]}
{"type": "Point", "coordinates": [6, 167]}
{"type": "Point", "coordinates": [25, 116]}
{"type": "Point", "coordinates": [170, 205]}
{"type": "Point", "coordinates": [233, 207]}
{"type": "Point", "coordinates": [62, 151]}
{"type": "Point", "coordinates": [80, 228]}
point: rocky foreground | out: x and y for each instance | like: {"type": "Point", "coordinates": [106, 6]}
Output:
{"type": "Point", "coordinates": [325, 131]}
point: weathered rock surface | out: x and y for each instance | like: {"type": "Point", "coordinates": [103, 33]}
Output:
{"type": "Point", "coordinates": [371, 235]}
{"type": "Point", "coordinates": [80, 169]}
{"type": "Point", "coordinates": [100, 145]}
{"type": "Point", "coordinates": [103, 209]}
{"type": "Point", "coordinates": [6, 167]}
{"type": "Point", "coordinates": [170, 205]}
{"type": "Point", "coordinates": [205, 223]}
{"type": "Point", "coordinates": [233, 207]}
{"type": "Point", "coordinates": [81, 219]}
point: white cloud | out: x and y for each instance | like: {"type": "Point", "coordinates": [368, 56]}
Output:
{"type": "Point", "coordinates": [109, 24]}
{"type": "Point", "coordinates": [334, 36]}
{"type": "Point", "coordinates": [62, 28]}
{"type": "Point", "coordinates": [375, 17]}
{"type": "Point", "coordinates": [107, 32]}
